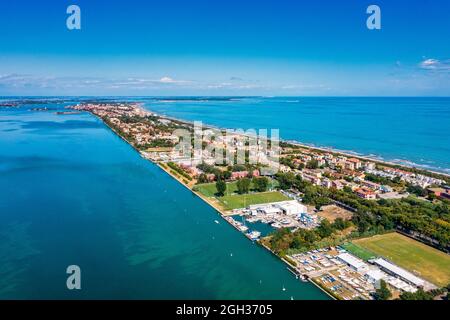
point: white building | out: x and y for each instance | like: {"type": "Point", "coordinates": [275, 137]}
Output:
{"type": "Point", "coordinates": [292, 208]}
{"type": "Point", "coordinates": [399, 272]}
{"type": "Point", "coordinates": [355, 263]}
{"type": "Point", "coordinates": [374, 276]}
{"type": "Point", "coordinates": [370, 166]}
{"type": "Point", "coordinates": [400, 285]}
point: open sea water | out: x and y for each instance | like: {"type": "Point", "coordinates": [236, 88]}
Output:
{"type": "Point", "coordinates": [412, 131]}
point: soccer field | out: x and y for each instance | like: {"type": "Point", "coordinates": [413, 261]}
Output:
{"type": "Point", "coordinates": [425, 261]}
{"type": "Point", "coordinates": [244, 200]}
{"type": "Point", "coordinates": [231, 200]}
{"type": "Point", "coordinates": [210, 190]}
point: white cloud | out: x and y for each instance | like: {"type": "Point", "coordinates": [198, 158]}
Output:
{"type": "Point", "coordinates": [167, 80]}
{"type": "Point", "coordinates": [435, 65]}
{"type": "Point", "coordinates": [30, 81]}
{"type": "Point", "coordinates": [23, 83]}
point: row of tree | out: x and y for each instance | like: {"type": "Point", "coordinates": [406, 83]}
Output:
{"type": "Point", "coordinates": [243, 185]}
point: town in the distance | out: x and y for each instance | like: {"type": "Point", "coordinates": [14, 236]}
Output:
{"type": "Point", "coordinates": [358, 228]}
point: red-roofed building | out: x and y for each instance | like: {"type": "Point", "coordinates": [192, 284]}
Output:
{"type": "Point", "coordinates": [239, 175]}
{"type": "Point", "coordinates": [243, 174]}
{"type": "Point", "coordinates": [366, 193]}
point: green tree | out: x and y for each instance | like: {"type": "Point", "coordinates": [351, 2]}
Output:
{"type": "Point", "coordinates": [325, 229]}
{"type": "Point", "coordinates": [202, 178]}
{"type": "Point", "coordinates": [261, 184]}
{"type": "Point", "coordinates": [321, 201]}
{"type": "Point", "coordinates": [226, 175]}
{"type": "Point", "coordinates": [421, 192]}
{"type": "Point", "coordinates": [312, 164]}
{"type": "Point", "coordinates": [418, 295]}
{"type": "Point", "coordinates": [348, 189]}
{"type": "Point", "coordinates": [243, 185]}
{"type": "Point", "coordinates": [340, 224]}
{"type": "Point", "coordinates": [383, 293]}
{"type": "Point", "coordinates": [432, 196]}
{"type": "Point", "coordinates": [286, 180]}
{"type": "Point", "coordinates": [221, 187]}
{"type": "Point", "coordinates": [239, 167]}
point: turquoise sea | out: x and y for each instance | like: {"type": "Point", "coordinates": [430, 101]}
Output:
{"type": "Point", "coordinates": [74, 193]}
{"type": "Point", "coordinates": [412, 131]}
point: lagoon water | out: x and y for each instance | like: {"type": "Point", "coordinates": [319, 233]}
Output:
{"type": "Point", "coordinates": [404, 130]}
{"type": "Point", "coordinates": [73, 193]}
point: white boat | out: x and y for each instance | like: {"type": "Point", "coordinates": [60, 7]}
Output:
{"type": "Point", "coordinates": [254, 235]}
{"type": "Point", "coordinates": [276, 225]}
{"type": "Point", "coordinates": [243, 228]}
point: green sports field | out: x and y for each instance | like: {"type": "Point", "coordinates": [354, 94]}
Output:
{"type": "Point", "coordinates": [425, 261]}
{"type": "Point", "coordinates": [209, 189]}
{"type": "Point", "coordinates": [358, 251]}
{"type": "Point", "coordinates": [244, 200]}
{"type": "Point", "coordinates": [232, 200]}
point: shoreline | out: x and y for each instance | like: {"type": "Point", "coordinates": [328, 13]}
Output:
{"type": "Point", "coordinates": [350, 154]}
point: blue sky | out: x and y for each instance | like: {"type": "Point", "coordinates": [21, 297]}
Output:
{"type": "Point", "coordinates": [246, 47]}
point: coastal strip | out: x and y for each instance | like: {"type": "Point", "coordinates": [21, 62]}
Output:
{"type": "Point", "coordinates": [154, 137]}
{"type": "Point", "coordinates": [312, 147]}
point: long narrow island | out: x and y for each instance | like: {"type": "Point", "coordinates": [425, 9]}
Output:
{"type": "Point", "coordinates": [355, 227]}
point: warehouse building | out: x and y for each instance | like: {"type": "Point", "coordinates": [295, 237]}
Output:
{"type": "Point", "coordinates": [398, 272]}
{"type": "Point", "coordinates": [353, 262]}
